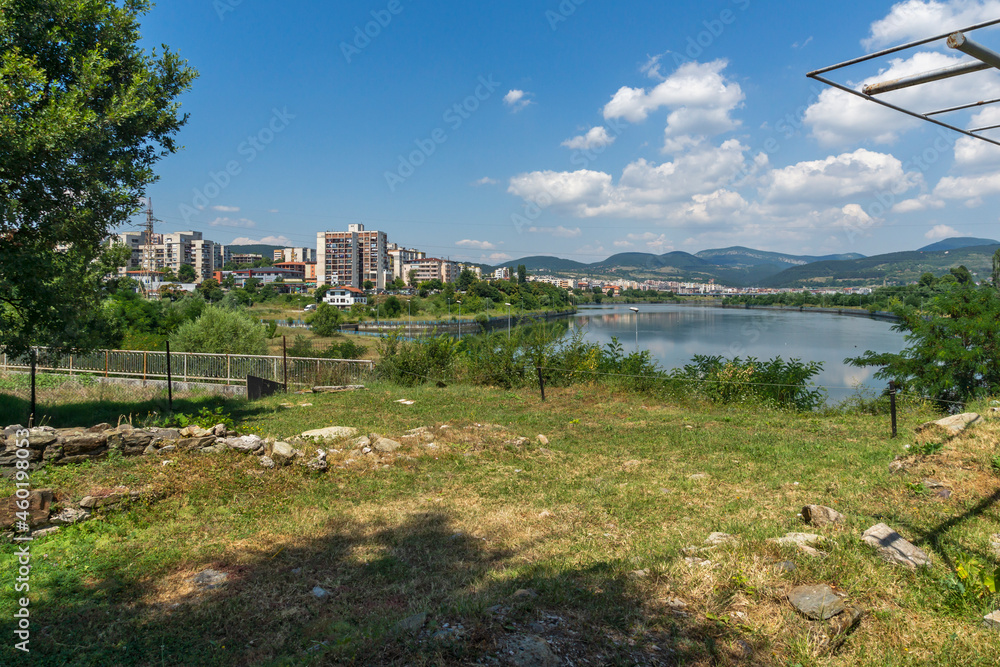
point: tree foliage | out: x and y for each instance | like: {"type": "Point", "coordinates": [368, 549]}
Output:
{"type": "Point", "coordinates": [222, 331]}
{"type": "Point", "coordinates": [84, 116]}
{"type": "Point", "coordinates": [953, 352]}
{"type": "Point", "coordinates": [325, 321]}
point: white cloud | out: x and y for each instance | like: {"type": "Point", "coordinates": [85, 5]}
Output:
{"type": "Point", "coordinates": [862, 173]}
{"type": "Point", "coordinates": [479, 245]}
{"type": "Point", "coordinates": [920, 203]}
{"type": "Point", "coordinates": [597, 137]}
{"type": "Point", "coordinates": [971, 188]}
{"type": "Point", "coordinates": [623, 244]}
{"type": "Point", "coordinates": [838, 118]}
{"type": "Point", "coordinates": [272, 210]}
{"type": "Point", "coordinates": [230, 222]}
{"type": "Point", "coordinates": [498, 257]}
{"type": "Point", "coordinates": [699, 97]}
{"type": "Point", "coordinates": [486, 180]}
{"type": "Point", "coordinates": [652, 68]}
{"type": "Point", "coordinates": [517, 100]}
{"type": "Point", "coordinates": [917, 19]}
{"type": "Point", "coordinates": [941, 232]}
{"type": "Point", "coordinates": [974, 154]}
{"type": "Point", "coordinates": [559, 232]}
{"type": "Point", "coordinates": [658, 243]}
{"type": "Point", "coordinates": [802, 45]}
{"type": "Point", "coordinates": [645, 189]}
{"type": "Point", "coordinates": [226, 209]}
{"type": "Point", "coordinates": [267, 240]}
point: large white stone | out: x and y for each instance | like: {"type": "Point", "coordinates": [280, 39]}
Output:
{"type": "Point", "coordinates": [332, 433]}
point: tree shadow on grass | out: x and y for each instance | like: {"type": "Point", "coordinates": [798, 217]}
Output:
{"type": "Point", "coordinates": [375, 575]}
{"type": "Point", "coordinates": [15, 409]}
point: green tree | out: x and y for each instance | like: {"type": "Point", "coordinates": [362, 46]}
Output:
{"type": "Point", "coordinates": [962, 275]}
{"type": "Point", "coordinates": [466, 279]}
{"type": "Point", "coordinates": [321, 292]}
{"type": "Point", "coordinates": [222, 331]}
{"type": "Point", "coordinates": [996, 270]}
{"type": "Point", "coordinates": [392, 307]}
{"type": "Point", "coordinates": [411, 278]}
{"type": "Point", "coordinates": [85, 115]}
{"type": "Point", "coordinates": [168, 275]}
{"type": "Point", "coordinates": [522, 274]}
{"type": "Point", "coordinates": [368, 285]}
{"type": "Point", "coordinates": [953, 351]}
{"type": "Point", "coordinates": [210, 290]}
{"type": "Point", "coordinates": [325, 321]}
{"type": "Point", "coordinates": [928, 279]}
{"type": "Point", "coordinates": [186, 273]}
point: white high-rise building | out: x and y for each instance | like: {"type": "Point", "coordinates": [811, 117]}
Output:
{"type": "Point", "coordinates": [350, 258]}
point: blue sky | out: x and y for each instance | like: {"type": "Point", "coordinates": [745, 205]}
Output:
{"type": "Point", "coordinates": [577, 128]}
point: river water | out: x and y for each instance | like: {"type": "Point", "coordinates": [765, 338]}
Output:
{"type": "Point", "coordinates": [675, 333]}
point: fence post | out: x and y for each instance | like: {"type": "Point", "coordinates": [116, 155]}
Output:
{"type": "Point", "coordinates": [284, 356]}
{"type": "Point", "coordinates": [185, 368]}
{"type": "Point", "coordinates": [541, 382]}
{"type": "Point", "coordinates": [145, 357]}
{"type": "Point", "coordinates": [170, 382]}
{"type": "Point", "coordinates": [227, 369]}
{"type": "Point", "coordinates": [892, 406]}
{"type": "Point", "coordinates": [107, 361]}
{"type": "Point", "coordinates": [31, 416]}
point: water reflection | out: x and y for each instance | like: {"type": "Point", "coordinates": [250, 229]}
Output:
{"type": "Point", "coordinates": [673, 334]}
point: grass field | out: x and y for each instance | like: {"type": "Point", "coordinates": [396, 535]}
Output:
{"type": "Point", "coordinates": [591, 529]}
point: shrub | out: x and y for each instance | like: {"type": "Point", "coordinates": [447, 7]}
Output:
{"type": "Point", "coordinates": [325, 321]}
{"type": "Point", "coordinates": [732, 380]}
{"type": "Point", "coordinates": [221, 331]}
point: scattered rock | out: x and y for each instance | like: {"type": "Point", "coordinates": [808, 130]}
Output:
{"type": "Point", "coordinates": [638, 574]}
{"type": "Point", "coordinates": [943, 494]}
{"type": "Point", "coordinates": [331, 433]}
{"type": "Point", "coordinates": [995, 545]}
{"type": "Point", "coordinates": [675, 603]}
{"type": "Point", "coordinates": [319, 465]}
{"type": "Point", "coordinates": [282, 453]}
{"type": "Point", "coordinates": [796, 539]}
{"type": "Point", "coordinates": [266, 462]}
{"type": "Point", "coordinates": [219, 431]}
{"type": "Point", "coordinates": [542, 440]}
{"type": "Point", "coordinates": [412, 624]}
{"type": "Point", "coordinates": [544, 514]}
{"type": "Point", "coordinates": [828, 639]}
{"type": "Point", "coordinates": [386, 446]}
{"type": "Point", "coordinates": [694, 561]}
{"type": "Point", "coordinates": [698, 476]}
{"type": "Point", "coordinates": [69, 515]}
{"type": "Point", "coordinates": [361, 443]}
{"type": "Point", "coordinates": [893, 548]}
{"type": "Point", "coordinates": [195, 432]}
{"type": "Point", "coordinates": [900, 464]}
{"type": "Point", "coordinates": [93, 502]}
{"type": "Point", "coordinates": [992, 621]}
{"type": "Point", "coordinates": [44, 532]}
{"type": "Point", "coordinates": [248, 444]}
{"type": "Point", "coordinates": [785, 566]}
{"type": "Point", "coordinates": [39, 508]}
{"type": "Point", "coordinates": [816, 602]}
{"type": "Point", "coordinates": [210, 578]}
{"type": "Point", "coordinates": [716, 539]}
{"type": "Point", "coordinates": [820, 515]}
{"type": "Point", "coordinates": [528, 651]}
{"type": "Point", "coordinates": [320, 593]}
{"type": "Point", "coordinates": [214, 449]}
{"type": "Point", "coordinates": [809, 551]}
{"type": "Point", "coordinates": [525, 594]}
{"type": "Point", "coordinates": [951, 425]}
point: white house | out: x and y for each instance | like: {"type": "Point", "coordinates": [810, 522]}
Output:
{"type": "Point", "coordinates": [344, 297]}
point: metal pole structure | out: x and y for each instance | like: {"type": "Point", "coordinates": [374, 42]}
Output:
{"type": "Point", "coordinates": [459, 320]}
{"type": "Point", "coordinates": [170, 382]}
{"type": "Point", "coordinates": [636, 311]}
{"type": "Point", "coordinates": [284, 361]}
{"type": "Point", "coordinates": [892, 406]}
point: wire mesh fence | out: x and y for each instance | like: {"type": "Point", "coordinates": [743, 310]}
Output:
{"type": "Point", "coordinates": [150, 377]}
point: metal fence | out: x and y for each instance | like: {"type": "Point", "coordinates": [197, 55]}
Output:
{"type": "Point", "coordinates": [228, 369]}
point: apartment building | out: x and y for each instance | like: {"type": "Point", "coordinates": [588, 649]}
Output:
{"type": "Point", "coordinates": [303, 255]}
{"type": "Point", "coordinates": [350, 258]}
{"type": "Point", "coordinates": [398, 256]}
{"type": "Point", "coordinates": [170, 251]}
{"type": "Point", "coordinates": [430, 268]}
{"type": "Point", "coordinates": [245, 258]}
